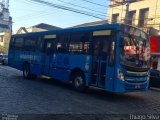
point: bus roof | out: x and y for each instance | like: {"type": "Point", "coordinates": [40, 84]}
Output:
{"type": "Point", "coordinates": [97, 27]}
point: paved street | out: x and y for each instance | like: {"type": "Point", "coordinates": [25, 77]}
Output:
{"type": "Point", "coordinates": [45, 96]}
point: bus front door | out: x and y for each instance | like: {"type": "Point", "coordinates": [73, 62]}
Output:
{"type": "Point", "coordinates": [99, 62]}
{"type": "Point", "coordinates": [49, 51]}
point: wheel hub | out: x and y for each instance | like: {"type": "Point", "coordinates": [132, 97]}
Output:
{"type": "Point", "coordinates": [78, 81]}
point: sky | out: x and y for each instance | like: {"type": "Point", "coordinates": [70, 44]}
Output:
{"type": "Point", "coordinates": [27, 13]}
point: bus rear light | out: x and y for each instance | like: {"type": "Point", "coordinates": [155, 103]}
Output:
{"type": "Point", "coordinates": [120, 74]}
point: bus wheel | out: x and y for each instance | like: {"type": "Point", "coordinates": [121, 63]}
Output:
{"type": "Point", "coordinates": [78, 81]}
{"type": "Point", "coordinates": [26, 71]}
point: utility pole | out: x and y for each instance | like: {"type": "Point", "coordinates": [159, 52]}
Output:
{"type": "Point", "coordinates": [127, 12]}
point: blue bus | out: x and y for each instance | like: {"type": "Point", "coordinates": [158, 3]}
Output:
{"type": "Point", "coordinates": [113, 57]}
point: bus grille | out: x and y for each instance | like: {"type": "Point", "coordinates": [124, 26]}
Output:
{"type": "Point", "coordinates": [136, 79]}
{"type": "Point", "coordinates": [135, 82]}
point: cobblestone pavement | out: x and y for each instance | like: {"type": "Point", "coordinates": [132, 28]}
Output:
{"type": "Point", "coordinates": [46, 96]}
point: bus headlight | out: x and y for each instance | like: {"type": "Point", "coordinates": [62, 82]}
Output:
{"type": "Point", "coordinates": [120, 74]}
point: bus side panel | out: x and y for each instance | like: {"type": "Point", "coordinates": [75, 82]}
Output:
{"type": "Point", "coordinates": [18, 58]}
{"type": "Point", "coordinates": [60, 67]}
{"type": "Point", "coordinates": [36, 63]}
{"type": "Point", "coordinates": [15, 59]}
{"type": "Point", "coordinates": [82, 62]}
{"type": "Point", "coordinates": [65, 63]}
{"type": "Point", "coordinates": [60, 74]}
{"type": "Point", "coordinates": [11, 59]}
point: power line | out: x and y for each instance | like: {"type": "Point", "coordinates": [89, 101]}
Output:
{"type": "Point", "coordinates": [60, 6]}
{"type": "Point", "coordinates": [28, 16]}
{"type": "Point", "coordinates": [67, 8]}
{"type": "Point", "coordinates": [94, 3]}
{"type": "Point", "coordinates": [104, 14]}
{"type": "Point", "coordinates": [79, 6]}
{"type": "Point", "coordinates": [34, 17]}
{"type": "Point", "coordinates": [36, 14]}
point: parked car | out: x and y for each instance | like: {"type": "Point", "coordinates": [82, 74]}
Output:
{"type": "Point", "coordinates": [4, 59]}
{"type": "Point", "coordinates": [154, 78]}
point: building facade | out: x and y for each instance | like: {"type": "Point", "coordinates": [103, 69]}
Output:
{"type": "Point", "coordinates": [5, 26]}
{"type": "Point", "coordinates": [144, 14]}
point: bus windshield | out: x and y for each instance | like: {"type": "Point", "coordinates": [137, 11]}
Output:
{"type": "Point", "coordinates": [134, 49]}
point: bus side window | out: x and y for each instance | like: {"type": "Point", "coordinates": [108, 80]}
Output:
{"type": "Point", "coordinates": [62, 43]}
{"type": "Point", "coordinates": [39, 44]}
{"type": "Point", "coordinates": [61, 48]}
{"type": "Point", "coordinates": [30, 43]}
{"type": "Point", "coordinates": [18, 43]}
{"type": "Point", "coordinates": [79, 43]}
{"type": "Point", "coordinates": [112, 54]}
{"type": "Point", "coordinates": [85, 44]}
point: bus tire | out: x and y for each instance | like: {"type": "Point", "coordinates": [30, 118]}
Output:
{"type": "Point", "coordinates": [78, 81]}
{"type": "Point", "coordinates": [26, 71]}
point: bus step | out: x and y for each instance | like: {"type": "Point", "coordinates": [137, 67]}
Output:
{"type": "Point", "coordinates": [95, 86]}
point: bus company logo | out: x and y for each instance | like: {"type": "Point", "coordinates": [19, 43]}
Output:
{"type": "Point", "coordinates": [28, 57]}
